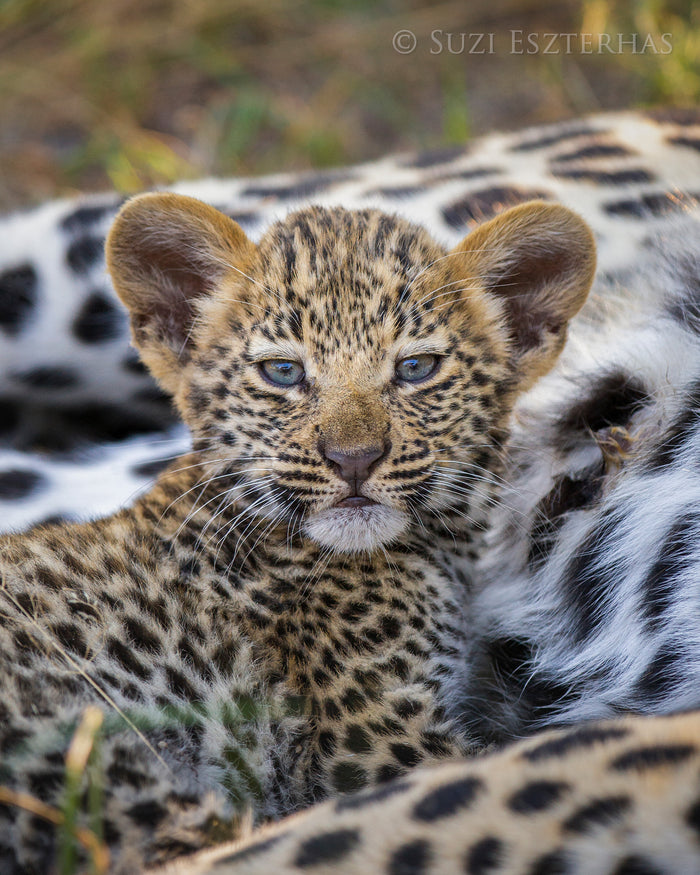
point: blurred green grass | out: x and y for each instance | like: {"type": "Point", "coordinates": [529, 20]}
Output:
{"type": "Point", "coordinates": [129, 94]}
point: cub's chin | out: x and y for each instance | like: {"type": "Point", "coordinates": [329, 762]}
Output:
{"type": "Point", "coordinates": [360, 529]}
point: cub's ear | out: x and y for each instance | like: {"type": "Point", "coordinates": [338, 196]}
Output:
{"type": "Point", "coordinates": [537, 260]}
{"type": "Point", "coordinates": [164, 252]}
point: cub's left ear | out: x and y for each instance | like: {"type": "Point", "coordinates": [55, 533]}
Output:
{"type": "Point", "coordinates": [537, 260]}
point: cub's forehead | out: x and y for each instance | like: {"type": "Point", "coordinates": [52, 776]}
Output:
{"type": "Point", "coordinates": [313, 249]}
{"type": "Point", "coordinates": [336, 278]}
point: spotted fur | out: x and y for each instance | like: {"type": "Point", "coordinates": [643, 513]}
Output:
{"type": "Point", "coordinates": [627, 174]}
{"type": "Point", "coordinates": [586, 595]}
{"type": "Point", "coordinates": [611, 798]}
{"type": "Point", "coordinates": [271, 624]}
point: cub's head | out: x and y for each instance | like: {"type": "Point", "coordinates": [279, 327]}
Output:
{"type": "Point", "coordinates": [351, 375]}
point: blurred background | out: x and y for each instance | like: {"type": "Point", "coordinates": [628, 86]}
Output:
{"type": "Point", "coordinates": [129, 94]}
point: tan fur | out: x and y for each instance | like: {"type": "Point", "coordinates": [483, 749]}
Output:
{"type": "Point", "coordinates": [264, 646]}
{"type": "Point", "coordinates": [617, 797]}
{"type": "Point", "coordinates": [535, 258]}
{"type": "Point", "coordinates": [157, 245]}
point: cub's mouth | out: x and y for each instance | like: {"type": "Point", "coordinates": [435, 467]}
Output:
{"type": "Point", "coordinates": [355, 501]}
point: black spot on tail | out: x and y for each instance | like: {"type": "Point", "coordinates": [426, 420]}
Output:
{"type": "Point", "coordinates": [537, 796]}
{"type": "Point", "coordinates": [249, 851]}
{"type": "Point", "coordinates": [329, 847]}
{"type": "Point", "coordinates": [370, 797]}
{"type": "Point", "coordinates": [484, 856]}
{"type": "Point", "coordinates": [471, 173]}
{"type": "Point", "coordinates": [653, 757]}
{"type": "Point", "coordinates": [153, 395]}
{"type": "Point", "coordinates": [413, 858]}
{"type": "Point", "coordinates": [99, 423]}
{"type": "Point", "coordinates": [576, 739]}
{"type": "Point", "coordinates": [447, 800]}
{"type": "Point", "coordinates": [54, 519]}
{"type": "Point", "coordinates": [18, 296]}
{"type": "Point", "coordinates": [551, 863]}
{"type": "Point", "coordinates": [133, 364]}
{"type": "Point", "coordinates": [604, 811]}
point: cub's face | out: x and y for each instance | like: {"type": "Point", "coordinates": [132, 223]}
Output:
{"type": "Point", "coordinates": [359, 387]}
{"type": "Point", "coordinates": [353, 375]}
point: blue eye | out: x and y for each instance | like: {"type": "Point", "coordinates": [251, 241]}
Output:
{"type": "Point", "coordinates": [415, 368]}
{"type": "Point", "coordinates": [281, 372]}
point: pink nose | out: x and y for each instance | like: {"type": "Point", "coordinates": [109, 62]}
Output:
{"type": "Point", "coordinates": [356, 465]}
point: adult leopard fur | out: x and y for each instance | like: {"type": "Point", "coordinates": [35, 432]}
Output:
{"type": "Point", "coordinates": [615, 797]}
{"type": "Point", "coordinates": [281, 617]}
{"type": "Point", "coordinates": [590, 587]}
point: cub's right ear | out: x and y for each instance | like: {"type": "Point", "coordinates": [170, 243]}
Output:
{"type": "Point", "coordinates": [537, 261]}
{"type": "Point", "coordinates": [164, 253]}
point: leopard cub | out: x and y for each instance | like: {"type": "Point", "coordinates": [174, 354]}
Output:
{"type": "Point", "coordinates": [283, 616]}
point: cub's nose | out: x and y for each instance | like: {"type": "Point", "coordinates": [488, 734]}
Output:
{"type": "Point", "coordinates": [356, 464]}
